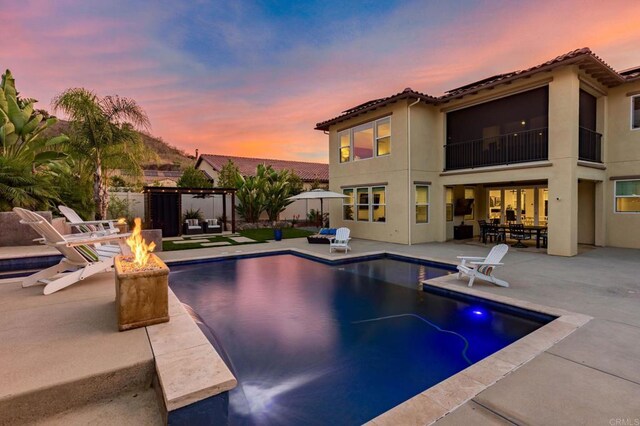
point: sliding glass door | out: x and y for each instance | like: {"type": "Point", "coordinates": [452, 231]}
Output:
{"type": "Point", "coordinates": [526, 205]}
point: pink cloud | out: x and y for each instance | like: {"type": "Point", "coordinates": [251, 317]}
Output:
{"type": "Point", "coordinates": [270, 110]}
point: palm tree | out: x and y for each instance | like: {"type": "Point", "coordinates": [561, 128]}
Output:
{"type": "Point", "coordinates": [104, 135]}
{"type": "Point", "coordinates": [27, 152]}
{"type": "Point", "coordinates": [21, 187]}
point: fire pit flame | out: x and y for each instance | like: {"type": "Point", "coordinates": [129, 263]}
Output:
{"type": "Point", "coordinates": [122, 221]}
{"type": "Point", "coordinates": [139, 247]}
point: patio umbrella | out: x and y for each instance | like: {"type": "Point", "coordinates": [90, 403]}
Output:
{"type": "Point", "coordinates": [318, 194]}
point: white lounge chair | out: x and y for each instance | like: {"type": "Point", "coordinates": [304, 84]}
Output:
{"type": "Point", "coordinates": [483, 267]}
{"type": "Point", "coordinates": [341, 240]}
{"type": "Point", "coordinates": [92, 227]}
{"type": "Point", "coordinates": [82, 257]}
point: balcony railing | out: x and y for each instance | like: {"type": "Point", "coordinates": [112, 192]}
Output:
{"type": "Point", "coordinates": [590, 145]}
{"type": "Point", "coordinates": [512, 148]}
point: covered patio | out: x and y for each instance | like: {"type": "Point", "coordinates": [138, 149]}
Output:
{"type": "Point", "coordinates": [498, 207]}
{"type": "Point", "coordinates": [163, 207]}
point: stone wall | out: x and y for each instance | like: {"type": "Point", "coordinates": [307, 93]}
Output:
{"type": "Point", "coordinates": [14, 233]}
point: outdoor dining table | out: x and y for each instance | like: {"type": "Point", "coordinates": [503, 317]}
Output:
{"type": "Point", "coordinates": [537, 229]}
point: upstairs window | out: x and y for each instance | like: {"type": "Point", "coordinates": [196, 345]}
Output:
{"type": "Point", "coordinates": [345, 146]}
{"type": "Point", "coordinates": [365, 141]}
{"type": "Point", "coordinates": [635, 112]}
{"type": "Point", "coordinates": [383, 137]}
{"type": "Point", "coordinates": [627, 196]}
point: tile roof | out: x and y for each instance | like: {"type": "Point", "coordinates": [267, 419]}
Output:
{"type": "Point", "coordinates": [584, 56]}
{"type": "Point", "coordinates": [307, 171]}
{"type": "Point", "coordinates": [631, 73]}
{"type": "Point", "coordinates": [407, 93]}
{"type": "Point", "coordinates": [588, 61]}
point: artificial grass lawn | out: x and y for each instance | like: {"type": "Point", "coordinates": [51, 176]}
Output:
{"type": "Point", "coordinates": [264, 234]}
{"type": "Point", "coordinates": [171, 245]}
{"type": "Point", "coordinates": [259, 235]}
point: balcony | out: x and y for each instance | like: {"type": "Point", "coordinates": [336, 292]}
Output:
{"type": "Point", "coordinates": [590, 145]}
{"type": "Point", "coordinates": [511, 148]}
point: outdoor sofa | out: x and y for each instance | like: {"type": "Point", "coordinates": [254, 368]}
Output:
{"type": "Point", "coordinates": [324, 236]}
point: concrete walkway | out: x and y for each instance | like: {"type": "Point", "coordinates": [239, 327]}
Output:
{"type": "Point", "coordinates": [591, 377]}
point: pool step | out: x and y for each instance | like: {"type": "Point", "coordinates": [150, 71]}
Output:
{"type": "Point", "coordinates": [43, 403]}
{"type": "Point", "coordinates": [131, 408]}
{"type": "Point", "coordinates": [64, 351]}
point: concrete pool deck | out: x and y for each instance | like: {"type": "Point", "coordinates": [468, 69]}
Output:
{"type": "Point", "coordinates": [591, 377]}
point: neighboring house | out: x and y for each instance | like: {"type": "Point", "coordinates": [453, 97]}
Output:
{"type": "Point", "coordinates": [308, 172]}
{"type": "Point", "coordinates": [168, 178]}
{"type": "Point", "coordinates": [557, 144]}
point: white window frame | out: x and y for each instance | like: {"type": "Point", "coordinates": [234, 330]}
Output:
{"type": "Point", "coordinates": [340, 147]}
{"type": "Point", "coordinates": [377, 137]}
{"type": "Point", "coordinates": [633, 101]}
{"type": "Point", "coordinates": [346, 203]}
{"type": "Point", "coordinates": [427, 204]}
{"type": "Point", "coordinates": [370, 204]}
{"type": "Point", "coordinates": [447, 204]}
{"type": "Point", "coordinates": [375, 141]}
{"type": "Point", "coordinates": [616, 196]}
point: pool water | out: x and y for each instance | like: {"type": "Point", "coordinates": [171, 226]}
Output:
{"type": "Point", "coordinates": [312, 343]}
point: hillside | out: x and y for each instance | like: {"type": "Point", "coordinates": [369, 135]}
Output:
{"type": "Point", "coordinates": [169, 157]}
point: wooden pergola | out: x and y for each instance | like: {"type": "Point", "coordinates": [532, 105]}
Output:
{"type": "Point", "coordinates": [163, 206]}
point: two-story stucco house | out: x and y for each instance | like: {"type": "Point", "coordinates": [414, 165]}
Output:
{"type": "Point", "coordinates": [555, 145]}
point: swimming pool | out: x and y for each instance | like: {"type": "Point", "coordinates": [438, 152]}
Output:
{"type": "Point", "coordinates": [318, 343]}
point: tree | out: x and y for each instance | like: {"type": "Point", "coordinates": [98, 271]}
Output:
{"type": "Point", "coordinates": [21, 187]}
{"type": "Point", "coordinates": [103, 134]}
{"type": "Point", "coordinates": [194, 178]}
{"type": "Point", "coordinates": [296, 185]}
{"type": "Point", "coordinates": [22, 129]}
{"type": "Point", "coordinates": [117, 182]}
{"type": "Point", "coordinates": [277, 190]}
{"type": "Point", "coordinates": [26, 151]}
{"type": "Point", "coordinates": [267, 191]}
{"type": "Point", "coordinates": [227, 175]}
{"type": "Point", "coordinates": [250, 195]}
{"type": "Point", "coordinates": [317, 185]}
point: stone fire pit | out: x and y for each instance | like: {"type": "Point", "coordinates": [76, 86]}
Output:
{"type": "Point", "coordinates": [142, 296]}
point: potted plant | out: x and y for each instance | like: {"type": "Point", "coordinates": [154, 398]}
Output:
{"type": "Point", "coordinates": [277, 232]}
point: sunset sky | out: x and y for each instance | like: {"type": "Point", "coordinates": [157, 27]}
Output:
{"type": "Point", "coordinates": [252, 78]}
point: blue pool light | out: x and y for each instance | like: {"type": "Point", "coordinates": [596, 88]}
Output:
{"type": "Point", "coordinates": [477, 313]}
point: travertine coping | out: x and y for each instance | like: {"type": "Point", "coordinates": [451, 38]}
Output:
{"type": "Point", "coordinates": [437, 401]}
{"type": "Point", "coordinates": [189, 369]}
